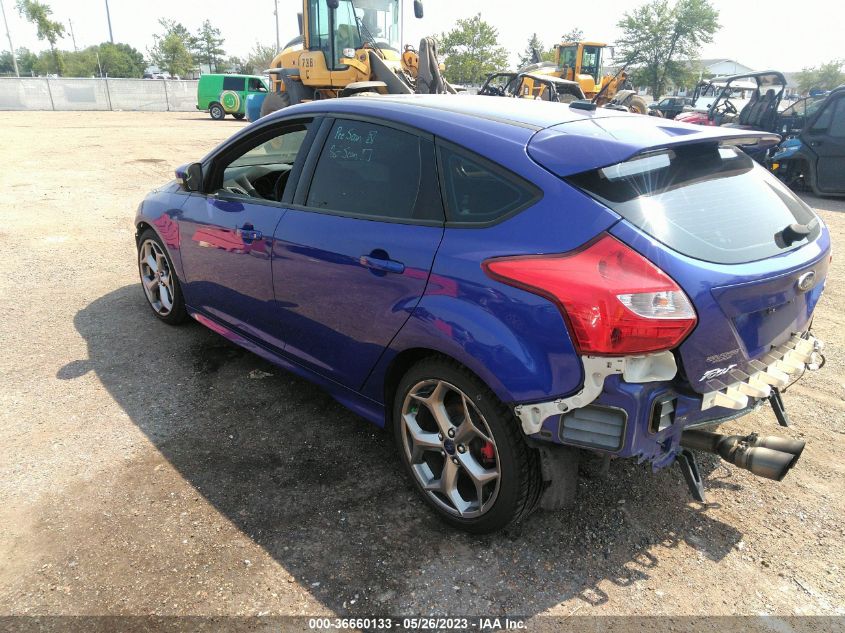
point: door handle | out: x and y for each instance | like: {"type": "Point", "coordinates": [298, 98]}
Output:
{"type": "Point", "coordinates": [381, 265]}
{"type": "Point", "coordinates": [248, 233]}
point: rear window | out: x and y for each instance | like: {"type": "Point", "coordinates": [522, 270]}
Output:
{"type": "Point", "coordinates": [708, 202]}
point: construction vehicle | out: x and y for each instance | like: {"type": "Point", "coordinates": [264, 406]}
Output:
{"type": "Point", "coordinates": [532, 85]}
{"type": "Point", "coordinates": [349, 47]}
{"type": "Point", "coordinates": [581, 62]}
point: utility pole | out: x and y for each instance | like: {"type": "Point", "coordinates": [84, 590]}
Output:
{"type": "Point", "coordinates": [72, 36]}
{"type": "Point", "coordinates": [276, 13]}
{"type": "Point", "coordinates": [108, 17]}
{"type": "Point", "coordinates": [12, 48]}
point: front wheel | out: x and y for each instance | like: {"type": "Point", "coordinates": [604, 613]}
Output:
{"type": "Point", "coordinates": [239, 116]}
{"type": "Point", "coordinates": [463, 448]}
{"type": "Point", "coordinates": [217, 112]}
{"type": "Point", "coordinates": [159, 281]}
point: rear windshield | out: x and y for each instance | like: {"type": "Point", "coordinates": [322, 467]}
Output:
{"type": "Point", "coordinates": [708, 202]}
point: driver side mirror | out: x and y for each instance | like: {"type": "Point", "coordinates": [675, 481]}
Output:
{"type": "Point", "coordinates": [418, 9]}
{"type": "Point", "coordinates": [191, 176]}
{"type": "Point", "coordinates": [332, 4]}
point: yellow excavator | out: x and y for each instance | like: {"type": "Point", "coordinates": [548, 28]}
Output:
{"type": "Point", "coordinates": [349, 47]}
{"type": "Point", "coordinates": [581, 62]}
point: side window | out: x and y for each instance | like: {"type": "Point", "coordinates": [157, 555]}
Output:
{"type": "Point", "coordinates": [233, 83]}
{"type": "Point", "coordinates": [477, 191]}
{"type": "Point", "coordinates": [823, 122]}
{"type": "Point", "coordinates": [256, 85]}
{"type": "Point", "coordinates": [262, 170]}
{"type": "Point", "coordinates": [371, 170]}
{"type": "Point", "coordinates": [837, 125]}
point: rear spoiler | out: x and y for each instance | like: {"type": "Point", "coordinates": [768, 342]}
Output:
{"type": "Point", "coordinates": [607, 139]}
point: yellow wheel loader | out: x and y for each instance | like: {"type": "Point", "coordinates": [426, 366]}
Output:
{"type": "Point", "coordinates": [349, 47]}
{"type": "Point", "coordinates": [581, 62]}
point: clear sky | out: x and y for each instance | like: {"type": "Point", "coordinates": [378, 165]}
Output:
{"type": "Point", "coordinates": [772, 34]}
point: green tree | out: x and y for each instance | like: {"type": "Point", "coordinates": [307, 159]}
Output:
{"type": "Point", "coordinates": [471, 51]}
{"type": "Point", "coordinates": [6, 65]}
{"type": "Point", "coordinates": [260, 58]}
{"type": "Point", "coordinates": [572, 35]}
{"type": "Point", "coordinates": [81, 63]}
{"type": "Point", "coordinates": [121, 60]}
{"type": "Point", "coordinates": [171, 50]}
{"type": "Point", "coordinates": [533, 50]}
{"type": "Point", "coordinates": [26, 61]}
{"type": "Point", "coordinates": [660, 38]}
{"type": "Point", "coordinates": [207, 46]}
{"type": "Point", "coordinates": [39, 14]}
{"type": "Point", "coordinates": [825, 77]}
{"type": "Point", "coordinates": [234, 64]}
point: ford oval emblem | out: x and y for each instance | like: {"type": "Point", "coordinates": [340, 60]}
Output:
{"type": "Point", "coordinates": [807, 281]}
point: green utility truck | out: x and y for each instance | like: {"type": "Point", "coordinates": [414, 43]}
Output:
{"type": "Point", "coordinates": [220, 95]}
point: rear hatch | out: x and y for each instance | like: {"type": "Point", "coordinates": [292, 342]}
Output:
{"type": "Point", "coordinates": [717, 223]}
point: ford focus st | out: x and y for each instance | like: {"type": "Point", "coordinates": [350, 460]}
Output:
{"type": "Point", "coordinates": [508, 286]}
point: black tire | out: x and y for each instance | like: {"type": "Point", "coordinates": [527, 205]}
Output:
{"type": "Point", "coordinates": [239, 116]}
{"type": "Point", "coordinates": [520, 480]}
{"type": "Point", "coordinates": [217, 112]}
{"type": "Point", "coordinates": [177, 313]}
{"type": "Point", "coordinates": [274, 101]}
{"type": "Point", "coordinates": [637, 104]}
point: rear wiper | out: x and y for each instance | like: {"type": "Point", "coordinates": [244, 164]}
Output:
{"type": "Point", "coordinates": [787, 236]}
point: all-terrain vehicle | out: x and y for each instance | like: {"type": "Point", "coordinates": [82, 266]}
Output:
{"type": "Point", "coordinates": [815, 158]}
{"type": "Point", "coordinates": [734, 105]}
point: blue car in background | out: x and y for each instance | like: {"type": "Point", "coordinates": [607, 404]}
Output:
{"type": "Point", "coordinates": [509, 286]}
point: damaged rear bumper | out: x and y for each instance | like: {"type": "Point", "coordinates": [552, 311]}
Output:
{"type": "Point", "coordinates": [635, 406]}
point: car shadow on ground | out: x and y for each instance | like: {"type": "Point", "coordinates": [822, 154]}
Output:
{"type": "Point", "coordinates": [321, 490]}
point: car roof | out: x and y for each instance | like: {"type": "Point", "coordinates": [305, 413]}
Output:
{"type": "Point", "coordinates": [525, 113]}
{"type": "Point", "coordinates": [562, 138]}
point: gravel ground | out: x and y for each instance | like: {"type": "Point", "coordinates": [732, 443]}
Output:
{"type": "Point", "coordinates": [151, 470]}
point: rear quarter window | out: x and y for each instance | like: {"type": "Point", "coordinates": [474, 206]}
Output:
{"type": "Point", "coordinates": [477, 191]}
{"type": "Point", "coordinates": [708, 202]}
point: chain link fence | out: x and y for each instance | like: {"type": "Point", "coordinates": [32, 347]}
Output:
{"type": "Point", "coordinates": [43, 93]}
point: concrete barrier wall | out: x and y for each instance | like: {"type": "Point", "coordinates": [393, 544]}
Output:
{"type": "Point", "coordinates": [42, 93]}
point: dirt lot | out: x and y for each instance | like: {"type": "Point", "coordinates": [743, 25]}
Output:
{"type": "Point", "coordinates": [144, 471]}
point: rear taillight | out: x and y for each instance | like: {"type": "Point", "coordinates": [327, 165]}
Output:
{"type": "Point", "coordinates": [615, 300]}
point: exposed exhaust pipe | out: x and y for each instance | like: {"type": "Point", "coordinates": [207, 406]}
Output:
{"type": "Point", "coordinates": [768, 456]}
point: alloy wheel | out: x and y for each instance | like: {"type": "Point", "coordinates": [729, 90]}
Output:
{"type": "Point", "coordinates": [156, 277]}
{"type": "Point", "coordinates": [450, 448]}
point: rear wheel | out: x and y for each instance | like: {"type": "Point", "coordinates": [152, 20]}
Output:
{"type": "Point", "coordinates": [217, 112]}
{"type": "Point", "coordinates": [463, 448]}
{"type": "Point", "coordinates": [239, 116]}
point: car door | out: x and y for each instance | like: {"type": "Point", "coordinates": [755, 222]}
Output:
{"type": "Point", "coordinates": [825, 137]}
{"type": "Point", "coordinates": [226, 234]}
{"type": "Point", "coordinates": [352, 255]}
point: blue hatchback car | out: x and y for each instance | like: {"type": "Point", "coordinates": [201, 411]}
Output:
{"type": "Point", "coordinates": [510, 286]}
